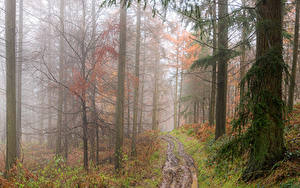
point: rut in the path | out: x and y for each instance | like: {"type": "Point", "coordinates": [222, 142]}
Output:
{"type": "Point", "coordinates": [178, 171]}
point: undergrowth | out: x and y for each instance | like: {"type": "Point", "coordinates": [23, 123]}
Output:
{"type": "Point", "coordinates": [144, 171]}
{"type": "Point", "coordinates": [199, 142]}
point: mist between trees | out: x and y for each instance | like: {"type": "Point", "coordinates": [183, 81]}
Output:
{"type": "Point", "coordinates": [93, 76]}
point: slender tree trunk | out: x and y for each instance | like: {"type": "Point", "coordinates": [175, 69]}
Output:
{"type": "Point", "coordinates": [222, 68]}
{"type": "Point", "coordinates": [212, 104]}
{"type": "Point", "coordinates": [195, 112]}
{"type": "Point", "coordinates": [61, 75]}
{"type": "Point", "coordinates": [243, 55]}
{"type": "Point", "coordinates": [83, 94]}
{"type": "Point", "coordinates": [65, 128]}
{"type": "Point", "coordinates": [10, 38]}
{"type": "Point", "coordinates": [140, 128]}
{"type": "Point", "coordinates": [155, 92]}
{"type": "Point", "coordinates": [50, 137]}
{"type": "Point", "coordinates": [19, 80]}
{"type": "Point", "coordinates": [176, 99]}
{"type": "Point", "coordinates": [128, 103]}
{"type": "Point", "coordinates": [176, 86]}
{"type": "Point", "coordinates": [295, 59]}
{"type": "Point", "coordinates": [97, 146]}
{"type": "Point", "coordinates": [42, 116]}
{"type": "Point", "coordinates": [265, 85]}
{"type": "Point", "coordinates": [137, 81]}
{"type": "Point", "coordinates": [120, 95]}
{"type": "Point", "coordinates": [203, 110]}
{"type": "Point", "coordinates": [94, 130]}
{"type": "Point", "coordinates": [180, 95]}
{"type": "Point", "coordinates": [85, 136]}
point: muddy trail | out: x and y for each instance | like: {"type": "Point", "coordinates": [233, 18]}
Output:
{"type": "Point", "coordinates": [179, 170]}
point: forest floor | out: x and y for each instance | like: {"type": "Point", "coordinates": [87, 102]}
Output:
{"type": "Point", "coordinates": [198, 141]}
{"type": "Point", "coordinates": [41, 169]}
{"type": "Point", "coordinates": [185, 157]}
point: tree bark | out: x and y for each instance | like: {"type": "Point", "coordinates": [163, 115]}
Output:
{"type": "Point", "coordinates": [243, 55]}
{"type": "Point", "coordinates": [19, 80]}
{"type": "Point", "coordinates": [94, 154]}
{"type": "Point", "coordinates": [155, 92]}
{"type": "Point", "coordinates": [65, 128]}
{"type": "Point", "coordinates": [176, 86]}
{"type": "Point", "coordinates": [10, 38]}
{"type": "Point", "coordinates": [212, 104]}
{"type": "Point", "coordinates": [265, 86]}
{"type": "Point", "coordinates": [120, 93]}
{"type": "Point", "coordinates": [128, 103]}
{"type": "Point", "coordinates": [180, 95]}
{"type": "Point", "coordinates": [203, 110]}
{"type": "Point", "coordinates": [295, 59]}
{"type": "Point", "coordinates": [195, 112]}
{"type": "Point", "coordinates": [50, 136]}
{"type": "Point", "coordinates": [137, 81]}
{"type": "Point", "coordinates": [140, 128]}
{"type": "Point", "coordinates": [83, 94]}
{"type": "Point", "coordinates": [222, 68]}
{"type": "Point", "coordinates": [61, 75]}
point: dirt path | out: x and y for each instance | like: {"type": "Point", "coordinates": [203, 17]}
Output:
{"type": "Point", "coordinates": [179, 169]}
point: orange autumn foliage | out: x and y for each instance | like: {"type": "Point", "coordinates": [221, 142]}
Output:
{"type": "Point", "coordinates": [184, 48]}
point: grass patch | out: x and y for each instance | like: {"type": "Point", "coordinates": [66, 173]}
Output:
{"type": "Point", "coordinates": [227, 175]}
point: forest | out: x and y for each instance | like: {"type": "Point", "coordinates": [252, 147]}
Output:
{"type": "Point", "coordinates": [149, 93]}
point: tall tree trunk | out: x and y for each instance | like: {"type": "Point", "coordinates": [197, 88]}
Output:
{"type": "Point", "coordinates": [120, 95]}
{"type": "Point", "coordinates": [295, 58]}
{"type": "Point", "coordinates": [222, 68]}
{"type": "Point", "coordinates": [155, 92]}
{"type": "Point", "coordinates": [50, 137]}
{"type": "Point", "coordinates": [137, 81]}
{"type": "Point", "coordinates": [243, 55]}
{"type": "Point", "coordinates": [140, 128]}
{"type": "Point", "coordinates": [61, 75]}
{"type": "Point", "coordinates": [212, 104]}
{"type": "Point", "coordinates": [19, 80]}
{"type": "Point", "coordinates": [265, 85]}
{"type": "Point", "coordinates": [10, 38]}
{"type": "Point", "coordinates": [83, 94]}
{"type": "Point", "coordinates": [94, 154]}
